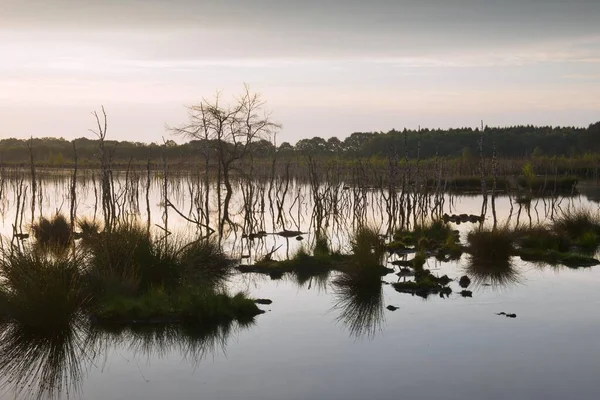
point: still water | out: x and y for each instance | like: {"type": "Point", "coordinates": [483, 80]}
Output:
{"type": "Point", "coordinates": [312, 344]}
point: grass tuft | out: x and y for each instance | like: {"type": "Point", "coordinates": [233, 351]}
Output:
{"type": "Point", "coordinates": [52, 233]}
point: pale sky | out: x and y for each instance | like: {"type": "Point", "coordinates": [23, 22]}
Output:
{"type": "Point", "coordinates": [326, 68]}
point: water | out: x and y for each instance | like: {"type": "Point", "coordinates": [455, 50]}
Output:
{"type": "Point", "coordinates": [312, 344]}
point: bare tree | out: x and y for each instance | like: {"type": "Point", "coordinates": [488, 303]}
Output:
{"type": "Point", "coordinates": [228, 131]}
{"type": "Point", "coordinates": [105, 158]}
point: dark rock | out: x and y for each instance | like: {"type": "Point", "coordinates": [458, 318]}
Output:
{"type": "Point", "coordinates": [466, 293]}
{"type": "Point", "coordinates": [263, 301]}
{"type": "Point", "coordinates": [402, 263]}
{"type": "Point", "coordinates": [464, 282]}
{"type": "Point", "coordinates": [289, 234]}
{"type": "Point", "coordinates": [444, 280]}
{"type": "Point", "coordinates": [507, 315]}
{"type": "Point", "coordinates": [392, 308]}
{"type": "Point", "coordinates": [383, 271]}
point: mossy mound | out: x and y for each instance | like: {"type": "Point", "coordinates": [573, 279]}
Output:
{"type": "Point", "coordinates": [425, 284]}
{"type": "Point", "coordinates": [553, 257]}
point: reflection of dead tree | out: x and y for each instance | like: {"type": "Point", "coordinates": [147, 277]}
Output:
{"type": "Point", "coordinates": [229, 132]}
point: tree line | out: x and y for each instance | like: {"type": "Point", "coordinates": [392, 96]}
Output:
{"type": "Point", "coordinates": [509, 142]}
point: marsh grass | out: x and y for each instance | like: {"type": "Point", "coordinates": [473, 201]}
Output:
{"type": "Point", "coordinates": [562, 242]}
{"type": "Point", "coordinates": [368, 248]}
{"type": "Point", "coordinates": [42, 290]}
{"type": "Point", "coordinates": [53, 233]}
{"type": "Point", "coordinates": [491, 245]}
{"type": "Point", "coordinates": [542, 238]}
{"type": "Point", "coordinates": [129, 261]}
{"type": "Point", "coordinates": [188, 305]}
{"type": "Point", "coordinates": [204, 263]}
{"type": "Point", "coordinates": [562, 184]}
{"type": "Point", "coordinates": [116, 260]}
{"type": "Point", "coordinates": [435, 235]}
{"type": "Point", "coordinates": [581, 225]}
{"type": "Point", "coordinates": [90, 228]}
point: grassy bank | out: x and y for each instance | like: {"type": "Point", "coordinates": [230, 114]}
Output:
{"type": "Point", "coordinates": [118, 277]}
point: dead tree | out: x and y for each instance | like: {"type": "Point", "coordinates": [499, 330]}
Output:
{"type": "Point", "coordinates": [228, 131]}
{"type": "Point", "coordinates": [105, 158]}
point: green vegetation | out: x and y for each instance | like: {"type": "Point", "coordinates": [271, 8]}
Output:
{"type": "Point", "coordinates": [570, 240]}
{"type": "Point", "coordinates": [54, 232]}
{"type": "Point", "coordinates": [41, 290]}
{"type": "Point", "coordinates": [580, 225]}
{"type": "Point", "coordinates": [511, 142]}
{"type": "Point", "coordinates": [367, 248]}
{"type": "Point", "coordinates": [538, 184]}
{"type": "Point", "coordinates": [122, 276]}
{"type": "Point", "coordinates": [192, 306]}
{"type": "Point", "coordinates": [491, 245]}
{"type": "Point", "coordinates": [553, 257]}
{"type": "Point", "coordinates": [437, 237]}
{"type": "Point", "coordinates": [425, 284]}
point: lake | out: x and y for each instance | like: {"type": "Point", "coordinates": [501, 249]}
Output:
{"type": "Point", "coordinates": [316, 341]}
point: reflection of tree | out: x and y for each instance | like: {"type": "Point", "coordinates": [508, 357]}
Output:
{"type": "Point", "coordinates": [497, 273]}
{"type": "Point", "coordinates": [360, 299]}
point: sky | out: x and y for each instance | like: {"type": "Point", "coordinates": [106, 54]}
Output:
{"type": "Point", "coordinates": [325, 68]}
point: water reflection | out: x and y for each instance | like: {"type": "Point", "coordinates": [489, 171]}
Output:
{"type": "Point", "coordinates": [40, 364]}
{"type": "Point", "coordinates": [494, 273]}
{"type": "Point", "coordinates": [52, 364]}
{"type": "Point", "coordinates": [359, 299]}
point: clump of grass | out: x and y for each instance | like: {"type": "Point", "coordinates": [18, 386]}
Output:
{"type": "Point", "coordinates": [435, 235]}
{"type": "Point", "coordinates": [367, 248]}
{"type": "Point", "coordinates": [491, 245]}
{"type": "Point", "coordinates": [90, 228]}
{"type": "Point", "coordinates": [205, 263]}
{"type": "Point", "coordinates": [128, 261]}
{"type": "Point", "coordinates": [116, 259]}
{"type": "Point", "coordinates": [321, 249]}
{"type": "Point", "coordinates": [542, 238]}
{"type": "Point", "coordinates": [53, 233]}
{"type": "Point", "coordinates": [419, 261]}
{"type": "Point", "coordinates": [425, 284]}
{"type": "Point", "coordinates": [39, 290]}
{"type": "Point", "coordinates": [581, 226]}
{"type": "Point", "coordinates": [552, 257]}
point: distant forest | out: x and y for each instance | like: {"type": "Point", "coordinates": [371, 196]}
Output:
{"type": "Point", "coordinates": [516, 142]}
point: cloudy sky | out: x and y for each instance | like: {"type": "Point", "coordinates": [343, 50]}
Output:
{"type": "Point", "coordinates": [326, 68]}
